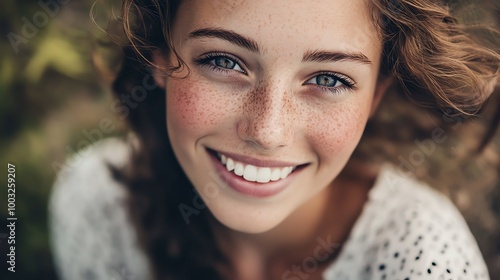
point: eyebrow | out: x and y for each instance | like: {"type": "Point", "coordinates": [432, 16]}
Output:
{"type": "Point", "coordinates": [328, 56]}
{"type": "Point", "coordinates": [227, 35]}
{"type": "Point", "coordinates": [250, 44]}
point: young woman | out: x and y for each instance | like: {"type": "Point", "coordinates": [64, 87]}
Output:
{"type": "Point", "coordinates": [245, 123]}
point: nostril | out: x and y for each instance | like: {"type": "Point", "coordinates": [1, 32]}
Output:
{"type": "Point", "coordinates": [264, 135]}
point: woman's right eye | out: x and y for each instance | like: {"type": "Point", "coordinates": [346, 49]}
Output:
{"type": "Point", "coordinates": [220, 62]}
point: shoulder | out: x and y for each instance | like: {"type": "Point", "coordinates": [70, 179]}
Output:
{"type": "Point", "coordinates": [408, 230]}
{"type": "Point", "coordinates": [91, 234]}
{"type": "Point", "coordinates": [85, 179]}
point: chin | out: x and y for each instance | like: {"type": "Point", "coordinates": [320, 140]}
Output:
{"type": "Point", "coordinates": [254, 222]}
{"type": "Point", "coordinates": [256, 227]}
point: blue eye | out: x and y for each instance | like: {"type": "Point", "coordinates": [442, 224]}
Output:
{"type": "Point", "coordinates": [326, 80]}
{"type": "Point", "coordinates": [220, 62]}
{"type": "Point", "coordinates": [332, 82]}
{"type": "Point", "coordinates": [224, 62]}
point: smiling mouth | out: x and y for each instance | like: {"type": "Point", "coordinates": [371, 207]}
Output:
{"type": "Point", "coordinates": [252, 173]}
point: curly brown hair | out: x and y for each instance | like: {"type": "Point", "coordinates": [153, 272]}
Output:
{"type": "Point", "coordinates": [433, 57]}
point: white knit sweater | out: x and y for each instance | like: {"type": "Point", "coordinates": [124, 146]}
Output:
{"type": "Point", "coordinates": [406, 230]}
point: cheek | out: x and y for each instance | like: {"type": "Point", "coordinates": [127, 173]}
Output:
{"type": "Point", "coordinates": [338, 131]}
{"type": "Point", "coordinates": [193, 107]}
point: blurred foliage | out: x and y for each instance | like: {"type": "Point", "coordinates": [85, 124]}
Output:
{"type": "Point", "coordinates": [50, 92]}
{"type": "Point", "coordinates": [54, 87]}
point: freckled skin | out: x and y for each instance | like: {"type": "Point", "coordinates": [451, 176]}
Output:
{"type": "Point", "coordinates": [271, 111]}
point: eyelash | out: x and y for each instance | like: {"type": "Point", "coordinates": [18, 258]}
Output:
{"type": "Point", "coordinates": [204, 61]}
{"type": "Point", "coordinates": [348, 83]}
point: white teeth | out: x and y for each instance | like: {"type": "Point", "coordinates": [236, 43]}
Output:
{"type": "Point", "coordinates": [276, 174]}
{"type": "Point", "coordinates": [264, 175]}
{"type": "Point", "coordinates": [239, 168]}
{"type": "Point", "coordinates": [229, 164]}
{"type": "Point", "coordinates": [285, 171]}
{"type": "Point", "coordinates": [250, 173]}
{"type": "Point", "coordinates": [253, 173]}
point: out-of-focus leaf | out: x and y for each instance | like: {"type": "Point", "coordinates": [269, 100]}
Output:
{"type": "Point", "coordinates": [59, 54]}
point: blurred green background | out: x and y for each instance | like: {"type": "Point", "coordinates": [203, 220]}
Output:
{"type": "Point", "coordinates": [50, 94]}
{"type": "Point", "coordinates": [53, 88]}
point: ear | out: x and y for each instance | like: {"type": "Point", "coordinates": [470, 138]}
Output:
{"type": "Point", "coordinates": [160, 63]}
{"type": "Point", "coordinates": [383, 83]}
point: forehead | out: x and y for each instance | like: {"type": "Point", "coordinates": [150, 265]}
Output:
{"type": "Point", "coordinates": [285, 25]}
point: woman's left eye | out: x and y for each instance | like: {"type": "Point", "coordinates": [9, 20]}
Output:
{"type": "Point", "coordinates": [325, 80]}
{"type": "Point", "coordinates": [330, 82]}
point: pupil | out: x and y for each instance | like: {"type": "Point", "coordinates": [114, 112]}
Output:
{"type": "Point", "coordinates": [326, 81]}
{"type": "Point", "coordinates": [224, 62]}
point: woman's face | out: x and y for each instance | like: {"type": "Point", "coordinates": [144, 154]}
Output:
{"type": "Point", "coordinates": [274, 86]}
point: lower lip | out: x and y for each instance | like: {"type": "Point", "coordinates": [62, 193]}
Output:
{"type": "Point", "coordinates": [252, 189]}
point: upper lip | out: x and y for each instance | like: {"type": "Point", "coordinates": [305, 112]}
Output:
{"type": "Point", "coordinates": [258, 162]}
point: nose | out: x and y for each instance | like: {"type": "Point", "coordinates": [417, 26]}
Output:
{"type": "Point", "coordinates": [268, 117]}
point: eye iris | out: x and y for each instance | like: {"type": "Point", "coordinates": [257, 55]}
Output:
{"type": "Point", "coordinates": [224, 62]}
{"type": "Point", "coordinates": [325, 80]}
